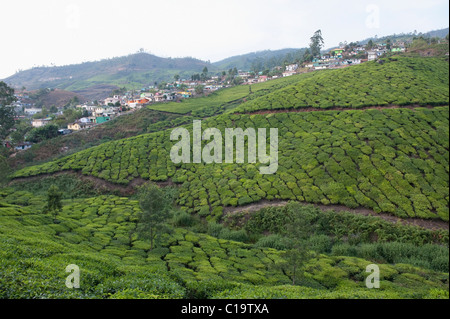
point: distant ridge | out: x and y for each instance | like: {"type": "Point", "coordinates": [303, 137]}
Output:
{"type": "Point", "coordinates": [246, 61]}
{"type": "Point", "coordinates": [132, 71]}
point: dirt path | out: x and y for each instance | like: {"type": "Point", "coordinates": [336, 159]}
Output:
{"type": "Point", "coordinates": [98, 183]}
{"type": "Point", "coordinates": [424, 223]}
{"type": "Point", "coordinates": [128, 190]}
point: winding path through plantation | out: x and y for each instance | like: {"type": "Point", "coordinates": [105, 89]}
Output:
{"type": "Point", "coordinates": [128, 190]}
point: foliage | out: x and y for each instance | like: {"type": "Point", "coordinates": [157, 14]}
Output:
{"type": "Point", "coordinates": [397, 81]}
{"type": "Point", "coordinates": [42, 133]}
{"type": "Point", "coordinates": [7, 112]}
{"type": "Point", "coordinates": [347, 234]}
{"type": "Point", "coordinates": [156, 205]}
{"type": "Point", "coordinates": [54, 204]}
{"type": "Point", "coordinates": [392, 160]}
{"type": "Point", "coordinates": [96, 234]}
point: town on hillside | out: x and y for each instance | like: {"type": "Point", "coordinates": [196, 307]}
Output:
{"type": "Point", "coordinates": [76, 116]}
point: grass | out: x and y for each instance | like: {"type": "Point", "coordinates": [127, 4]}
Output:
{"type": "Point", "coordinates": [222, 99]}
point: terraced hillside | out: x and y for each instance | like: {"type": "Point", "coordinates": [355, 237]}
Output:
{"type": "Point", "coordinates": [97, 234]}
{"type": "Point", "coordinates": [395, 81]}
{"type": "Point", "coordinates": [372, 138]}
{"type": "Point", "coordinates": [391, 160]}
{"type": "Point", "coordinates": [228, 98]}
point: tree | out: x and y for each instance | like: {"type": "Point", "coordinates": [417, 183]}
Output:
{"type": "Point", "coordinates": [299, 230]}
{"type": "Point", "coordinates": [43, 133]}
{"type": "Point", "coordinates": [4, 170]}
{"type": "Point", "coordinates": [156, 205]}
{"type": "Point", "coordinates": [238, 80]}
{"type": "Point", "coordinates": [370, 44]}
{"type": "Point", "coordinates": [316, 43]}
{"type": "Point", "coordinates": [22, 128]}
{"type": "Point", "coordinates": [54, 204]}
{"type": "Point", "coordinates": [388, 44]}
{"type": "Point", "coordinates": [307, 56]}
{"type": "Point", "coordinates": [53, 109]}
{"type": "Point", "coordinates": [199, 89]}
{"type": "Point", "coordinates": [7, 112]}
{"type": "Point", "coordinates": [176, 77]}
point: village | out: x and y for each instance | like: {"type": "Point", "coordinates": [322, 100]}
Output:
{"type": "Point", "coordinates": [102, 111]}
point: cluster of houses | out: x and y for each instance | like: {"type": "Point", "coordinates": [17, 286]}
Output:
{"type": "Point", "coordinates": [340, 57]}
{"type": "Point", "coordinates": [111, 107]}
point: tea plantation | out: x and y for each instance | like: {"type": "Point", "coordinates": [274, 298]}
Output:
{"type": "Point", "coordinates": [391, 160]}
{"type": "Point", "coordinates": [396, 81]}
{"type": "Point", "coordinates": [373, 137]}
{"type": "Point", "coordinates": [97, 234]}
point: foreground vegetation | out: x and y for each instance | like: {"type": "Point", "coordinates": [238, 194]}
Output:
{"type": "Point", "coordinates": [98, 234]}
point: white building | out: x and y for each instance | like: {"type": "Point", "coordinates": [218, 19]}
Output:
{"type": "Point", "coordinates": [40, 122]}
{"type": "Point", "coordinates": [372, 55]}
{"type": "Point", "coordinates": [32, 111]}
{"type": "Point", "coordinates": [292, 67]}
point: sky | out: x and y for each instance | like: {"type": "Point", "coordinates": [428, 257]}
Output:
{"type": "Point", "coordinates": [61, 32]}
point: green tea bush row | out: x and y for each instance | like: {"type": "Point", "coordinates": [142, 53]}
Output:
{"type": "Point", "coordinates": [393, 161]}
{"type": "Point", "coordinates": [397, 81]}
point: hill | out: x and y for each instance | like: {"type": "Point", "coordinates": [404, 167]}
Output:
{"type": "Point", "coordinates": [262, 59]}
{"type": "Point", "coordinates": [55, 97]}
{"type": "Point", "coordinates": [97, 234]}
{"type": "Point", "coordinates": [362, 173]}
{"type": "Point", "coordinates": [408, 37]}
{"type": "Point", "coordinates": [132, 71]}
{"type": "Point", "coordinates": [395, 81]}
{"type": "Point", "coordinates": [367, 158]}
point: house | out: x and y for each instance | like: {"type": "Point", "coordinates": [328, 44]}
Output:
{"type": "Point", "coordinates": [338, 52]}
{"type": "Point", "coordinates": [320, 66]}
{"type": "Point", "coordinates": [288, 73]}
{"type": "Point", "coordinates": [111, 100]}
{"type": "Point", "coordinates": [262, 78]}
{"type": "Point", "coordinates": [40, 122]}
{"type": "Point", "coordinates": [78, 125]}
{"type": "Point", "coordinates": [185, 94]}
{"type": "Point", "coordinates": [353, 61]}
{"type": "Point", "coordinates": [292, 67]}
{"type": "Point", "coordinates": [160, 98]}
{"type": "Point", "coordinates": [23, 146]}
{"type": "Point", "coordinates": [102, 119]}
{"type": "Point", "coordinates": [138, 103]}
{"type": "Point", "coordinates": [32, 111]}
{"type": "Point", "coordinates": [244, 75]}
{"type": "Point", "coordinates": [372, 55]}
{"type": "Point", "coordinates": [148, 96]}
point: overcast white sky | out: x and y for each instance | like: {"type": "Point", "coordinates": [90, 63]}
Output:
{"type": "Point", "coordinates": [60, 32]}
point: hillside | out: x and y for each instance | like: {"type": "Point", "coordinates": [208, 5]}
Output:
{"type": "Point", "coordinates": [362, 178]}
{"type": "Point", "coordinates": [96, 233]}
{"type": "Point", "coordinates": [247, 61]}
{"type": "Point", "coordinates": [441, 33]}
{"type": "Point", "coordinates": [373, 159]}
{"type": "Point", "coordinates": [132, 71]}
{"type": "Point", "coordinates": [56, 97]}
{"type": "Point", "coordinates": [397, 80]}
